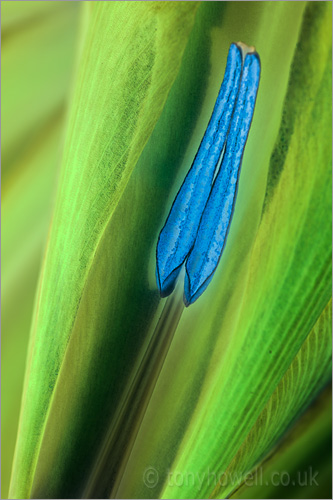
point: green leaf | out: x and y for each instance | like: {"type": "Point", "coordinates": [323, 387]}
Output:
{"type": "Point", "coordinates": [301, 467]}
{"type": "Point", "coordinates": [130, 59]}
{"type": "Point", "coordinates": [307, 375]}
{"type": "Point", "coordinates": [98, 305]}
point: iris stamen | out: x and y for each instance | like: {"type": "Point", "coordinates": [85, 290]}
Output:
{"type": "Point", "coordinates": [197, 226]}
{"type": "Point", "coordinates": [217, 215]}
{"type": "Point", "coordinates": [178, 234]}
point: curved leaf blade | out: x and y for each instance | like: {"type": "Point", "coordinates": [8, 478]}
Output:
{"type": "Point", "coordinates": [131, 56]}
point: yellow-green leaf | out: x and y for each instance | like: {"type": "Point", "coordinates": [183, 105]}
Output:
{"type": "Point", "coordinates": [148, 76]}
{"type": "Point", "coordinates": [131, 56]}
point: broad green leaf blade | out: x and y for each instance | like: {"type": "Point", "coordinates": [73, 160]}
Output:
{"type": "Point", "coordinates": [130, 59]}
{"type": "Point", "coordinates": [301, 467]}
{"type": "Point", "coordinates": [307, 375]}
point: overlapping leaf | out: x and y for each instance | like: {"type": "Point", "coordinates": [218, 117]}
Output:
{"type": "Point", "coordinates": [98, 302]}
{"type": "Point", "coordinates": [132, 54]}
{"type": "Point", "coordinates": [305, 378]}
{"type": "Point", "coordinates": [301, 467]}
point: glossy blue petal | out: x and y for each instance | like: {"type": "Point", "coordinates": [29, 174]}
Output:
{"type": "Point", "coordinates": [214, 225]}
{"type": "Point", "coordinates": [178, 234]}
